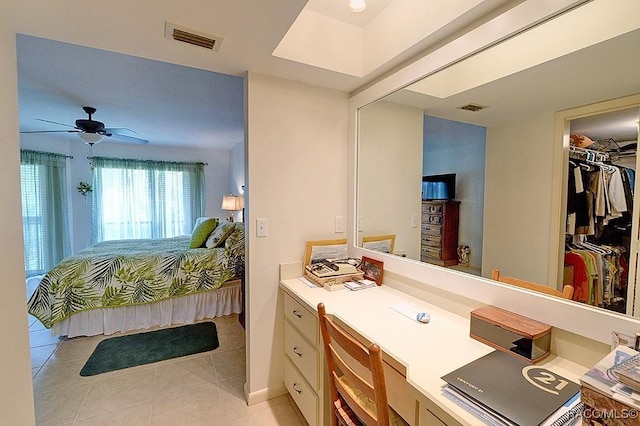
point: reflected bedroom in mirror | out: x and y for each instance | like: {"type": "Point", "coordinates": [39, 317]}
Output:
{"type": "Point", "coordinates": [526, 167]}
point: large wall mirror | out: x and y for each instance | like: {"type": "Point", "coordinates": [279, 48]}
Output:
{"type": "Point", "coordinates": [481, 149]}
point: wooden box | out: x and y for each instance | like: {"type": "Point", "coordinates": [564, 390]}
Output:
{"type": "Point", "coordinates": [512, 333]}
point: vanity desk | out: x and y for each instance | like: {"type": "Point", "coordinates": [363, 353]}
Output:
{"type": "Point", "coordinates": [416, 355]}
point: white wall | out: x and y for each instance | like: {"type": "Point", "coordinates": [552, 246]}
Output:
{"type": "Point", "coordinates": [390, 185]}
{"type": "Point", "coordinates": [217, 173]}
{"type": "Point", "coordinates": [296, 155]}
{"type": "Point", "coordinates": [16, 392]}
{"type": "Point", "coordinates": [518, 196]}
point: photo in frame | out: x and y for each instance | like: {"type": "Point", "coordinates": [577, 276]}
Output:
{"type": "Point", "coordinates": [372, 269]}
{"type": "Point", "coordinates": [316, 251]}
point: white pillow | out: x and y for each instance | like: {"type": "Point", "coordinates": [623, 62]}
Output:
{"type": "Point", "coordinates": [220, 234]}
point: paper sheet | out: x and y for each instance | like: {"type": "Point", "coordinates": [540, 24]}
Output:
{"type": "Point", "coordinates": [407, 310]}
{"type": "Point", "coordinates": [309, 283]}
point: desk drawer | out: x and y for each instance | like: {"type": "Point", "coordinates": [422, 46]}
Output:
{"type": "Point", "coordinates": [433, 219]}
{"type": "Point", "coordinates": [432, 208]}
{"type": "Point", "coordinates": [302, 354]}
{"type": "Point", "coordinates": [431, 241]}
{"type": "Point", "coordinates": [432, 252]}
{"type": "Point", "coordinates": [305, 398]}
{"type": "Point", "coordinates": [301, 318]}
{"type": "Point", "coordinates": [431, 229]}
{"type": "Point", "coordinates": [427, 418]}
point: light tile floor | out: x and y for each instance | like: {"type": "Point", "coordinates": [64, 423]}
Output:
{"type": "Point", "coordinates": [200, 389]}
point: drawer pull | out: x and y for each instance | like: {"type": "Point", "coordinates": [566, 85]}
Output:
{"type": "Point", "coordinates": [295, 351]}
{"type": "Point", "coordinates": [296, 389]}
{"type": "Point", "coordinates": [296, 313]}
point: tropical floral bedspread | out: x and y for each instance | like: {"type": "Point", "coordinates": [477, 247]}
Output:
{"type": "Point", "coordinates": [133, 272]}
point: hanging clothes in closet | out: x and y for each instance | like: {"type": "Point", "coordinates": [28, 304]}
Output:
{"type": "Point", "coordinates": [599, 206]}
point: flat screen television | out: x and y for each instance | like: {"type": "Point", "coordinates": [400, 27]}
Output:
{"type": "Point", "coordinates": [439, 187]}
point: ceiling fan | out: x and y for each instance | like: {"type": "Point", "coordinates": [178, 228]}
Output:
{"type": "Point", "coordinates": [91, 131]}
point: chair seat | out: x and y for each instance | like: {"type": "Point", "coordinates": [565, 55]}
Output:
{"type": "Point", "coordinates": [369, 405]}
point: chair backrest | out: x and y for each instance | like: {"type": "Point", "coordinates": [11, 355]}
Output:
{"type": "Point", "coordinates": [566, 293]}
{"type": "Point", "coordinates": [348, 390]}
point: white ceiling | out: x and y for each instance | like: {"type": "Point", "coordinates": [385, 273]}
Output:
{"type": "Point", "coordinates": [129, 75]}
{"type": "Point", "coordinates": [605, 70]}
{"type": "Point", "coordinates": [337, 9]}
{"type": "Point", "coordinates": [164, 103]}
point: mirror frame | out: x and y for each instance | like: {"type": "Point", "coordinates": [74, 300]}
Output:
{"type": "Point", "coordinates": [583, 320]}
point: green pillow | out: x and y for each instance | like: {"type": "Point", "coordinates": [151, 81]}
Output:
{"type": "Point", "coordinates": [220, 234]}
{"type": "Point", "coordinates": [202, 231]}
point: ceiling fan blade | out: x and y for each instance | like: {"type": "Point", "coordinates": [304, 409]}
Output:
{"type": "Point", "coordinates": [120, 131]}
{"type": "Point", "coordinates": [50, 131]}
{"type": "Point", "coordinates": [91, 131]}
{"type": "Point", "coordinates": [125, 138]}
{"type": "Point", "coordinates": [55, 122]}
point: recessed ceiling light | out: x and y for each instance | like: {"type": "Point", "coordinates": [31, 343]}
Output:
{"type": "Point", "coordinates": [357, 5]}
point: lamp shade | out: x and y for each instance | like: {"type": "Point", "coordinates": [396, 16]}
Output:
{"type": "Point", "coordinates": [232, 202]}
{"type": "Point", "coordinates": [90, 138]}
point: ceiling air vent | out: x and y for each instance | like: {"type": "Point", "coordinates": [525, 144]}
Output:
{"type": "Point", "coordinates": [472, 107]}
{"type": "Point", "coordinates": [191, 36]}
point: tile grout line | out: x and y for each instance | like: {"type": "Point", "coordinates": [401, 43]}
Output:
{"type": "Point", "coordinates": [75, 420]}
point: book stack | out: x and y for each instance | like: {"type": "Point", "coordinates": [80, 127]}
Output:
{"type": "Point", "coordinates": [610, 391]}
{"type": "Point", "coordinates": [503, 389]}
{"type": "Point", "coordinates": [355, 285]}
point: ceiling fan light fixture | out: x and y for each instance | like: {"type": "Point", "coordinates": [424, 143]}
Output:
{"type": "Point", "coordinates": [90, 138]}
{"type": "Point", "coordinates": [357, 5]}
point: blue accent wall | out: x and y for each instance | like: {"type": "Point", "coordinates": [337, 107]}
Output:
{"type": "Point", "coordinates": [456, 147]}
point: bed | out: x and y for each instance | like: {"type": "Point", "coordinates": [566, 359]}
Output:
{"type": "Point", "coordinates": [123, 285]}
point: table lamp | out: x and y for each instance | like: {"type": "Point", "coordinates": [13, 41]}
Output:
{"type": "Point", "coordinates": [232, 203]}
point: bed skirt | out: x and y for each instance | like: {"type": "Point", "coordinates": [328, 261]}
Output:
{"type": "Point", "coordinates": [180, 310]}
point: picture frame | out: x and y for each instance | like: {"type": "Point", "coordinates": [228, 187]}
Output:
{"type": "Point", "coordinates": [373, 269]}
{"type": "Point", "coordinates": [324, 249]}
{"type": "Point", "coordinates": [381, 243]}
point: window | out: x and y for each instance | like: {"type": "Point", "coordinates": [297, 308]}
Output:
{"type": "Point", "coordinates": [45, 224]}
{"type": "Point", "coordinates": [145, 199]}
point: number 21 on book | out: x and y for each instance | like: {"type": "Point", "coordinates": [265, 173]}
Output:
{"type": "Point", "coordinates": [544, 379]}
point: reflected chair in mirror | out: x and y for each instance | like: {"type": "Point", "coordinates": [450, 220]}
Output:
{"type": "Point", "coordinates": [566, 293]}
{"type": "Point", "coordinates": [355, 399]}
{"type": "Point", "coordinates": [381, 243]}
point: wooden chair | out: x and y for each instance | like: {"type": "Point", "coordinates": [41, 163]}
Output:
{"type": "Point", "coordinates": [566, 293]}
{"type": "Point", "coordinates": [355, 399]}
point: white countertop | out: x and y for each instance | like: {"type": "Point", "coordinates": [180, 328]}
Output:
{"type": "Point", "coordinates": [428, 351]}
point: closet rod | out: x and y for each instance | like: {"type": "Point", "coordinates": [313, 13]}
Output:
{"type": "Point", "coordinates": [588, 154]}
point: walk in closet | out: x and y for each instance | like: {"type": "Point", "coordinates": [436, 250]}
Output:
{"type": "Point", "coordinates": [600, 205]}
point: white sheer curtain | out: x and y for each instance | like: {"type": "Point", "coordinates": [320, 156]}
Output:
{"type": "Point", "coordinates": [45, 214]}
{"type": "Point", "coordinates": [145, 199]}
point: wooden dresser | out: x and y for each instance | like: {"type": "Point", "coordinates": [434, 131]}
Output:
{"type": "Point", "coordinates": [439, 241]}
